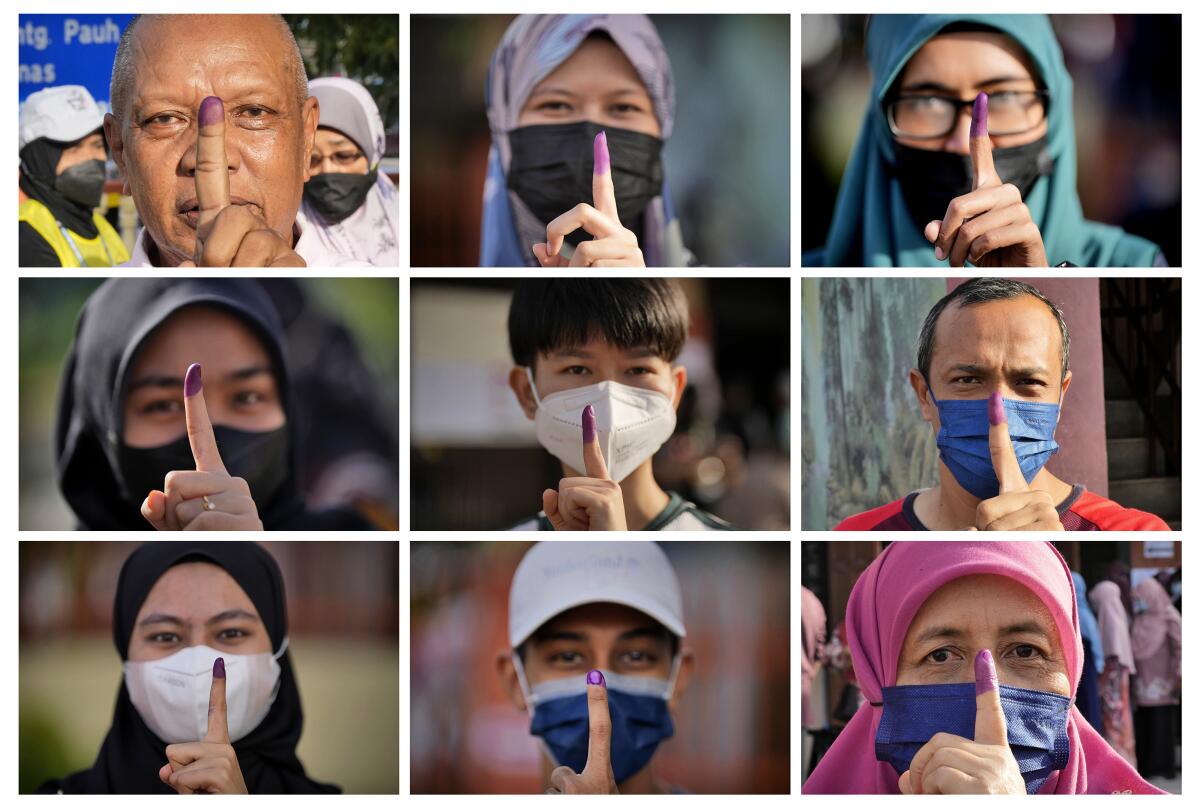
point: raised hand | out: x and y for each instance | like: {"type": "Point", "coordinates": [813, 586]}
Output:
{"type": "Point", "coordinates": [597, 775]}
{"type": "Point", "coordinates": [990, 226]}
{"type": "Point", "coordinates": [209, 766]}
{"type": "Point", "coordinates": [206, 498]}
{"type": "Point", "coordinates": [1017, 507]}
{"type": "Point", "coordinates": [589, 502]}
{"type": "Point", "coordinates": [948, 764]}
{"type": "Point", "coordinates": [614, 245]}
{"type": "Point", "coordinates": [229, 235]}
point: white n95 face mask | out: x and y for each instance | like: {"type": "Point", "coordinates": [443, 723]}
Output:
{"type": "Point", "coordinates": [631, 424]}
{"type": "Point", "coordinates": [171, 694]}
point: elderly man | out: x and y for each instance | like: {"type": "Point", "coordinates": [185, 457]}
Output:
{"type": "Point", "coordinates": [212, 128]}
{"type": "Point", "coordinates": [993, 369]}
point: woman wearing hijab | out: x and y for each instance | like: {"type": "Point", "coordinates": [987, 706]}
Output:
{"type": "Point", "coordinates": [214, 616]}
{"type": "Point", "coordinates": [1087, 697]}
{"type": "Point", "coordinates": [1157, 641]}
{"type": "Point", "coordinates": [61, 179]}
{"type": "Point", "coordinates": [175, 412]}
{"type": "Point", "coordinates": [347, 200]}
{"type": "Point", "coordinates": [979, 642]}
{"type": "Point", "coordinates": [1118, 665]}
{"type": "Point", "coordinates": [967, 153]}
{"type": "Point", "coordinates": [579, 108]}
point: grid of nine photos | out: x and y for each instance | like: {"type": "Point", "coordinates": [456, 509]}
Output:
{"type": "Point", "coordinates": [455, 383]}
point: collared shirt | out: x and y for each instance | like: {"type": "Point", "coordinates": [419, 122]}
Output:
{"type": "Point", "coordinates": [308, 245]}
{"type": "Point", "coordinates": [1081, 511]}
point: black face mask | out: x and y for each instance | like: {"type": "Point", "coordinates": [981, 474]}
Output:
{"type": "Point", "coordinates": [930, 179]}
{"type": "Point", "coordinates": [337, 195]}
{"type": "Point", "coordinates": [551, 169]}
{"type": "Point", "coordinates": [82, 183]}
{"type": "Point", "coordinates": [259, 457]}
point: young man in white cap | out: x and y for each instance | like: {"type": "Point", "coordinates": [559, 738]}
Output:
{"type": "Point", "coordinates": [62, 178]}
{"type": "Point", "coordinates": [597, 661]}
{"type": "Point", "coordinates": [348, 202]}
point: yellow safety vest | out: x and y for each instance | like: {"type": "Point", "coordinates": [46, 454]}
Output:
{"type": "Point", "coordinates": [101, 251]}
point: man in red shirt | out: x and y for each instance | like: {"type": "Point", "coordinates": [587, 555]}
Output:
{"type": "Point", "coordinates": [993, 371]}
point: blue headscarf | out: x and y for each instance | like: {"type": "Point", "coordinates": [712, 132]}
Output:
{"type": "Point", "coordinates": [871, 224]}
{"type": "Point", "coordinates": [532, 47]}
{"type": "Point", "coordinates": [1089, 628]}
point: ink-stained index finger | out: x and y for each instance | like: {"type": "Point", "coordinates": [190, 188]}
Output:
{"type": "Point", "coordinates": [212, 167]}
{"type": "Point", "coordinates": [199, 427]}
{"type": "Point", "coordinates": [981, 146]}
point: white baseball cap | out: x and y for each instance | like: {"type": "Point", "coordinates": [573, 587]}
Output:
{"type": "Point", "coordinates": [557, 575]}
{"type": "Point", "coordinates": [65, 113]}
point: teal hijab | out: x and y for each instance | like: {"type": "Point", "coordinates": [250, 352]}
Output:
{"type": "Point", "coordinates": [871, 224]}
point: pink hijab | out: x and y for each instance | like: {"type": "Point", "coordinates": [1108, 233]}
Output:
{"type": "Point", "coordinates": [1114, 624]}
{"type": "Point", "coordinates": [812, 630]}
{"type": "Point", "coordinates": [882, 605]}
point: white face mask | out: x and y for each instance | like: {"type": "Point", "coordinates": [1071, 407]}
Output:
{"type": "Point", "coordinates": [631, 424]}
{"type": "Point", "coordinates": [171, 694]}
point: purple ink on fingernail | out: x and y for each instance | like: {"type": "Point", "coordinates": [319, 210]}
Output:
{"type": "Point", "coordinates": [191, 381]}
{"type": "Point", "coordinates": [985, 673]}
{"type": "Point", "coordinates": [219, 668]}
{"type": "Point", "coordinates": [595, 677]}
{"type": "Point", "coordinates": [589, 425]}
{"type": "Point", "coordinates": [212, 111]}
{"type": "Point", "coordinates": [979, 117]}
{"type": "Point", "coordinates": [996, 414]}
{"type": "Point", "coordinates": [600, 154]}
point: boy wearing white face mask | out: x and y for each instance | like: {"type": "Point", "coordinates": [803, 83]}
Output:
{"type": "Point", "coordinates": [595, 370]}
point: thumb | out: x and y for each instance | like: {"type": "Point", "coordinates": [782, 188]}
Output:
{"type": "Point", "coordinates": [593, 457]}
{"type": "Point", "coordinates": [1004, 459]}
{"type": "Point", "coordinates": [981, 146]}
{"type": "Point", "coordinates": [604, 196]}
{"type": "Point", "coordinates": [154, 509]}
{"type": "Point", "coordinates": [599, 762]}
{"type": "Point", "coordinates": [218, 715]}
{"type": "Point", "coordinates": [550, 508]}
{"type": "Point", "coordinates": [989, 717]}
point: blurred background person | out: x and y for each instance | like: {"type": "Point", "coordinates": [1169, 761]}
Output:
{"type": "Point", "coordinates": [812, 631]}
{"type": "Point", "coordinates": [347, 200]}
{"type": "Point", "coordinates": [1157, 639]}
{"type": "Point", "coordinates": [288, 616]}
{"type": "Point", "coordinates": [469, 734]}
{"type": "Point", "coordinates": [1087, 697]}
{"type": "Point", "coordinates": [1094, 91]}
{"type": "Point", "coordinates": [717, 194]}
{"type": "Point", "coordinates": [62, 174]}
{"type": "Point", "coordinates": [1115, 705]}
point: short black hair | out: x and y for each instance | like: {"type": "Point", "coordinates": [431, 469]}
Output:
{"type": "Point", "coordinates": [979, 291]}
{"type": "Point", "coordinates": [548, 314]}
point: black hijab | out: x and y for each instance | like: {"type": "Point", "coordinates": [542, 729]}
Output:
{"type": "Point", "coordinates": [39, 170]}
{"type": "Point", "coordinates": [115, 323]}
{"type": "Point", "coordinates": [131, 754]}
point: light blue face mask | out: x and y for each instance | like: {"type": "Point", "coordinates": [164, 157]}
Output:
{"type": "Point", "coordinates": [963, 440]}
{"type": "Point", "coordinates": [1036, 723]}
{"type": "Point", "coordinates": [637, 706]}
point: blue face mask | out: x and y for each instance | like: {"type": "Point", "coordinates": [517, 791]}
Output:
{"type": "Point", "coordinates": [636, 705]}
{"type": "Point", "coordinates": [1036, 721]}
{"type": "Point", "coordinates": [963, 440]}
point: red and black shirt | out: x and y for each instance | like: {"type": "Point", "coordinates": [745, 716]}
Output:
{"type": "Point", "coordinates": [1081, 511]}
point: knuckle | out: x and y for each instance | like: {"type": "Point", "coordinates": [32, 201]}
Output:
{"type": "Point", "coordinates": [602, 728]}
{"type": "Point", "coordinates": [1010, 190]}
{"type": "Point", "coordinates": [240, 484]}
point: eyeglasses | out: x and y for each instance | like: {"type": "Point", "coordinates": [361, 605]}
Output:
{"type": "Point", "coordinates": [344, 158]}
{"type": "Point", "coordinates": [1010, 112]}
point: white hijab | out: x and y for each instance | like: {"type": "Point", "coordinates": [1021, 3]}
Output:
{"type": "Point", "coordinates": [370, 234]}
